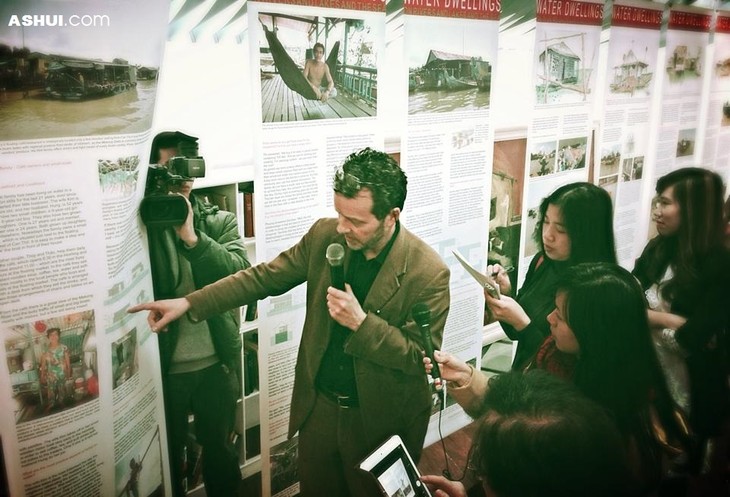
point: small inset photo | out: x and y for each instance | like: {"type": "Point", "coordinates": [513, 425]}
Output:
{"type": "Point", "coordinates": [52, 365]}
{"type": "Point", "coordinates": [542, 159]}
{"type": "Point", "coordinates": [125, 363]}
{"type": "Point", "coordinates": [686, 142]}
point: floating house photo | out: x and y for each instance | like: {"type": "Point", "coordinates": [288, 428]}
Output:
{"type": "Point", "coordinates": [44, 91]}
{"type": "Point", "coordinates": [79, 79]}
{"type": "Point", "coordinates": [451, 72]}
{"type": "Point", "coordinates": [45, 75]}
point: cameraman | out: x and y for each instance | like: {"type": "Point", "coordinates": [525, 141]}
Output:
{"type": "Point", "coordinates": [200, 361]}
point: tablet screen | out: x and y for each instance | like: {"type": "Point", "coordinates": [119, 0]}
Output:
{"type": "Point", "coordinates": [397, 476]}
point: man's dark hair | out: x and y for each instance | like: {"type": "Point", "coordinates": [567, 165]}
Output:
{"type": "Point", "coordinates": [318, 44]}
{"type": "Point", "coordinates": [587, 214]}
{"type": "Point", "coordinates": [540, 437]}
{"type": "Point", "coordinates": [379, 173]}
{"type": "Point", "coordinates": [187, 145]}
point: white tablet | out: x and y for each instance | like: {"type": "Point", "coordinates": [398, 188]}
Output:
{"type": "Point", "coordinates": [395, 471]}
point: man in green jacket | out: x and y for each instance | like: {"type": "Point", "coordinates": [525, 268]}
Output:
{"type": "Point", "coordinates": [200, 361]}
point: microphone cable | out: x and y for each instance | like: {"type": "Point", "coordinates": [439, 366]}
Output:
{"type": "Point", "coordinates": [446, 473]}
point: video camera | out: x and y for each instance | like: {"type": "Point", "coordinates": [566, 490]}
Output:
{"type": "Point", "coordinates": [159, 207]}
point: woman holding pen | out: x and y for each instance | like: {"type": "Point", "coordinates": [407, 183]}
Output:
{"type": "Point", "coordinates": [575, 225]}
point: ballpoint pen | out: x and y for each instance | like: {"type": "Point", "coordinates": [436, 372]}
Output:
{"type": "Point", "coordinates": [507, 269]}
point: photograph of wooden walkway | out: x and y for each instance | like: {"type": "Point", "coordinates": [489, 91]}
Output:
{"type": "Point", "coordinates": [280, 104]}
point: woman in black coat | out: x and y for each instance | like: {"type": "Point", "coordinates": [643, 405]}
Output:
{"type": "Point", "coordinates": [685, 272]}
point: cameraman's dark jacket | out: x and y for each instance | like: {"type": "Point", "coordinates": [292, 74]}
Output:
{"type": "Point", "coordinates": [218, 253]}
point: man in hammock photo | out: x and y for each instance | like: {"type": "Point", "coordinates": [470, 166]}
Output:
{"type": "Point", "coordinates": [318, 75]}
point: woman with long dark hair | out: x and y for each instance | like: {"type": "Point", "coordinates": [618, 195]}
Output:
{"type": "Point", "coordinates": [575, 225]}
{"type": "Point", "coordinates": [599, 317]}
{"type": "Point", "coordinates": [603, 309]}
{"type": "Point", "coordinates": [685, 272]}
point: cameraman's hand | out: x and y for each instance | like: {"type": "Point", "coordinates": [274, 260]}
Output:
{"type": "Point", "coordinates": [162, 312]}
{"type": "Point", "coordinates": [186, 231]}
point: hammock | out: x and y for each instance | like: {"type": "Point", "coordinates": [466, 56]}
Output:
{"type": "Point", "coordinates": [332, 59]}
{"type": "Point", "coordinates": [288, 69]}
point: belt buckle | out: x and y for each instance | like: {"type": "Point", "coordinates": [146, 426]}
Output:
{"type": "Point", "coordinates": [343, 401]}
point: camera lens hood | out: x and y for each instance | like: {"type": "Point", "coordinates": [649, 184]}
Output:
{"type": "Point", "coordinates": [162, 211]}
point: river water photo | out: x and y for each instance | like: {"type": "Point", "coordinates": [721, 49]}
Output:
{"type": "Point", "coordinates": [34, 116]}
{"type": "Point", "coordinates": [446, 101]}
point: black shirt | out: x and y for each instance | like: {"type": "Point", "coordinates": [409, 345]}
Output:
{"type": "Point", "coordinates": [337, 372]}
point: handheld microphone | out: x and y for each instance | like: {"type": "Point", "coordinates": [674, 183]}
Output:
{"type": "Point", "coordinates": [422, 317]}
{"type": "Point", "coordinates": [336, 259]}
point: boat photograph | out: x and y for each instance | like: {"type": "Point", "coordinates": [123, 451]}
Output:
{"type": "Point", "coordinates": [450, 72]}
{"type": "Point", "coordinates": [47, 91]}
{"type": "Point", "coordinates": [453, 72]}
{"type": "Point", "coordinates": [98, 81]}
{"type": "Point", "coordinates": [75, 79]}
{"type": "Point", "coordinates": [610, 160]}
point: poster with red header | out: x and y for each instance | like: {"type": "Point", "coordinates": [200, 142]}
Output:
{"type": "Point", "coordinates": [622, 143]}
{"type": "Point", "coordinates": [80, 380]}
{"type": "Point", "coordinates": [565, 67]}
{"type": "Point", "coordinates": [717, 126]}
{"type": "Point", "coordinates": [682, 74]}
{"type": "Point", "coordinates": [450, 53]}
{"type": "Point", "coordinates": [316, 74]}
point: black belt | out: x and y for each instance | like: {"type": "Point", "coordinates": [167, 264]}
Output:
{"type": "Point", "coordinates": [344, 401]}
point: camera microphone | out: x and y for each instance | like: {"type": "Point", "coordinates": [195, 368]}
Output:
{"type": "Point", "coordinates": [336, 259]}
{"type": "Point", "coordinates": [422, 317]}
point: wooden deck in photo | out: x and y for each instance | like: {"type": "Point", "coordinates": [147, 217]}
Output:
{"type": "Point", "coordinates": [280, 104]}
